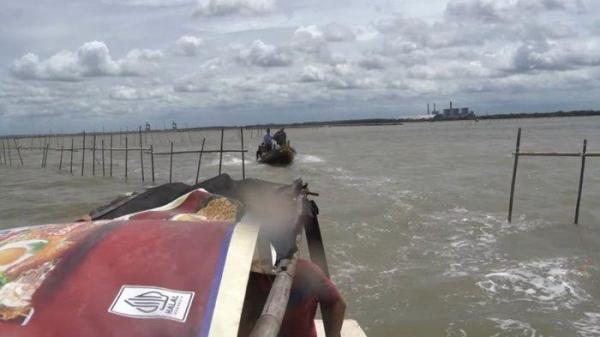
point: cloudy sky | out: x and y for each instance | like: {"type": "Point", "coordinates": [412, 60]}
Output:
{"type": "Point", "coordinates": [66, 65]}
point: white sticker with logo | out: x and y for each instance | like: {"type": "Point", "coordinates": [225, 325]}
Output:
{"type": "Point", "coordinates": [152, 302]}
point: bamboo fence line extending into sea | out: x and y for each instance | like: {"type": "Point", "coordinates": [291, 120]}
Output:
{"type": "Point", "coordinates": [518, 153]}
{"type": "Point", "coordinates": [100, 150]}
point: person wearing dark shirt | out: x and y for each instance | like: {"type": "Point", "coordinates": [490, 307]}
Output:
{"type": "Point", "coordinates": [310, 288]}
{"type": "Point", "coordinates": [280, 137]}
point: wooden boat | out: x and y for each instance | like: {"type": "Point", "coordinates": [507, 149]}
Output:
{"type": "Point", "coordinates": [173, 260]}
{"type": "Point", "coordinates": [282, 156]}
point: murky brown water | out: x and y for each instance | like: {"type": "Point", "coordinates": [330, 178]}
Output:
{"type": "Point", "coordinates": [414, 218]}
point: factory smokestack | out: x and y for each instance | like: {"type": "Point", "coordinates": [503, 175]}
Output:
{"type": "Point", "coordinates": [427, 108]}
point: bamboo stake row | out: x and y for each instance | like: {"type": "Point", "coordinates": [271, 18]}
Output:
{"type": "Point", "coordinates": [102, 148]}
{"type": "Point", "coordinates": [582, 155]}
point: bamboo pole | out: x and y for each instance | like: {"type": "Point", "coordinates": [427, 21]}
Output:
{"type": "Point", "coordinates": [46, 155]}
{"type": "Point", "coordinates": [171, 165]}
{"type": "Point", "coordinates": [200, 160]}
{"type": "Point", "coordinates": [72, 150]}
{"type": "Point", "coordinates": [94, 155]}
{"type": "Point", "coordinates": [126, 152]}
{"type": "Point", "coordinates": [269, 322]}
{"type": "Point", "coordinates": [549, 154]}
{"type": "Point", "coordinates": [2, 153]}
{"type": "Point", "coordinates": [111, 154]}
{"type": "Point", "coordinates": [221, 152]}
{"type": "Point", "coordinates": [581, 175]}
{"type": "Point", "coordinates": [196, 151]}
{"type": "Point", "coordinates": [514, 176]}
{"type": "Point", "coordinates": [18, 151]}
{"type": "Point", "coordinates": [243, 157]}
{"type": "Point", "coordinates": [9, 153]}
{"type": "Point", "coordinates": [103, 167]}
{"type": "Point", "coordinates": [152, 161]}
{"type": "Point", "coordinates": [61, 158]}
{"type": "Point", "coordinates": [141, 155]}
{"type": "Point", "coordinates": [83, 154]}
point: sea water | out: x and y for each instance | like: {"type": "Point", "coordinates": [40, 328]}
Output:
{"type": "Point", "coordinates": [413, 217]}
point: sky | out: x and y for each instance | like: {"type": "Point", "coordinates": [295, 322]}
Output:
{"type": "Point", "coordinates": [70, 65]}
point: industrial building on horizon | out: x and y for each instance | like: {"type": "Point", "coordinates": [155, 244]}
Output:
{"type": "Point", "coordinates": [451, 113]}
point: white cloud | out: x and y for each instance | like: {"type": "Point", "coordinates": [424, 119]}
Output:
{"type": "Point", "coordinates": [335, 32]}
{"type": "Point", "coordinates": [312, 73]}
{"type": "Point", "coordinates": [188, 45]}
{"type": "Point", "coordinates": [234, 7]}
{"type": "Point", "coordinates": [91, 59]}
{"type": "Point", "coordinates": [127, 93]}
{"type": "Point", "coordinates": [506, 10]}
{"type": "Point", "coordinates": [551, 55]}
{"type": "Point", "coordinates": [264, 55]}
{"type": "Point", "coordinates": [149, 3]}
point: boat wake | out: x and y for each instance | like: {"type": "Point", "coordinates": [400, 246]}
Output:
{"type": "Point", "coordinates": [550, 284]}
{"type": "Point", "coordinates": [309, 159]}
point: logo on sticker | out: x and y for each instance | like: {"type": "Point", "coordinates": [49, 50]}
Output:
{"type": "Point", "coordinates": [152, 302]}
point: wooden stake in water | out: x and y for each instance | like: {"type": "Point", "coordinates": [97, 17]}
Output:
{"type": "Point", "coordinates": [72, 150]}
{"type": "Point", "coordinates": [3, 159]}
{"type": "Point", "coordinates": [126, 152]}
{"type": "Point", "coordinates": [141, 155]}
{"type": "Point", "coordinates": [111, 154]}
{"type": "Point", "coordinates": [200, 160]}
{"type": "Point", "coordinates": [83, 154]}
{"type": "Point", "coordinates": [171, 164]}
{"type": "Point", "coordinates": [103, 168]}
{"type": "Point", "coordinates": [62, 148]}
{"type": "Point", "coordinates": [17, 147]}
{"type": "Point", "coordinates": [221, 152]}
{"type": "Point", "coordinates": [152, 161]}
{"type": "Point", "coordinates": [243, 157]}
{"type": "Point", "coordinates": [94, 155]}
{"type": "Point", "coordinates": [45, 155]}
{"type": "Point", "coordinates": [514, 176]}
{"type": "Point", "coordinates": [581, 174]}
{"type": "Point", "coordinates": [9, 153]}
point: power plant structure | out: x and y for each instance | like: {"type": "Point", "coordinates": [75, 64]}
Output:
{"type": "Point", "coordinates": [451, 113]}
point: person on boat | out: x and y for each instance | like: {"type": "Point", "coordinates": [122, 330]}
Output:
{"type": "Point", "coordinates": [280, 137]}
{"type": "Point", "coordinates": [311, 287]}
{"type": "Point", "coordinates": [266, 145]}
{"type": "Point", "coordinates": [268, 140]}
